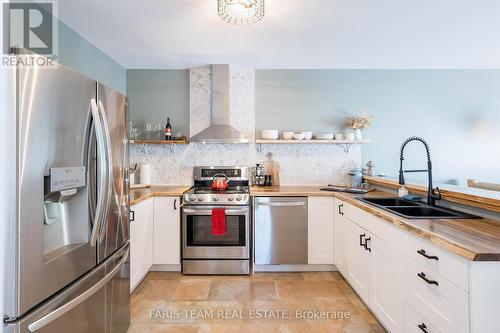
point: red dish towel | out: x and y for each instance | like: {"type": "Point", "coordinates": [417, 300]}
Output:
{"type": "Point", "coordinates": [218, 221]}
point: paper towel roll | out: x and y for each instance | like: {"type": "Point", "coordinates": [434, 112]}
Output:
{"type": "Point", "coordinates": [146, 174]}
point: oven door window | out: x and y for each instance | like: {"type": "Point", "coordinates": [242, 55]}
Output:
{"type": "Point", "coordinates": [199, 231]}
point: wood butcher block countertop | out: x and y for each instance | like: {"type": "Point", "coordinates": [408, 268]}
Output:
{"type": "Point", "coordinates": [140, 194]}
{"type": "Point", "coordinates": [473, 239]}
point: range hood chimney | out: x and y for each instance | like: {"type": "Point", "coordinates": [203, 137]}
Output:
{"type": "Point", "coordinates": [220, 129]}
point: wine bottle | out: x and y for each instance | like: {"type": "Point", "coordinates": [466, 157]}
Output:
{"type": "Point", "coordinates": [168, 130]}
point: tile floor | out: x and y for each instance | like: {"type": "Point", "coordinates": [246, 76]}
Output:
{"type": "Point", "coordinates": [264, 303]}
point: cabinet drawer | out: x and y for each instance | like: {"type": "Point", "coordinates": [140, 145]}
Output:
{"type": "Point", "coordinates": [436, 298]}
{"type": "Point", "coordinates": [416, 323]}
{"type": "Point", "coordinates": [440, 261]}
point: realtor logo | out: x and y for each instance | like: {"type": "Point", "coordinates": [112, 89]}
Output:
{"type": "Point", "coordinates": [29, 27]}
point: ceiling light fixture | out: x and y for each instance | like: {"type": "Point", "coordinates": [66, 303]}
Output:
{"type": "Point", "coordinates": [241, 12]}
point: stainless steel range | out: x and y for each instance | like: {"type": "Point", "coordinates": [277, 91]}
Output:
{"type": "Point", "coordinates": [205, 251]}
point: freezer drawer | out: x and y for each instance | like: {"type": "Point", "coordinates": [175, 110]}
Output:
{"type": "Point", "coordinates": [280, 230]}
{"type": "Point", "coordinates": [98, 303]}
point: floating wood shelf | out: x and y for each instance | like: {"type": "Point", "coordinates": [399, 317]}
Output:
{"type": "Point", "coordinates": [346, 143]}
{"type": "Point", "coordinates": [160, 142]}
{"type": "Point", "coordinates": [313, 141]}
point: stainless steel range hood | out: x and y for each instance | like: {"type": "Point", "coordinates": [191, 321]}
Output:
{"type": "Point", "coordinates": [220, 129]}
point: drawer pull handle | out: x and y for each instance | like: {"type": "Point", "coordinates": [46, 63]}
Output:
{"type": "Point", "coordinates": [341, 210]}
{"type": "Point", "coordinates": [366, 244]}
{"type": "Point", "coordinates": [132, 216]}
{"type": "Point", "coordinates": [175, 204]}
{"type": "Point", "coordinates": [423, 328]}
{"type": "Point", "coordinates": [361, 240]}
{"type": "Point", "coordinates": [423, 253]}
{"type": "Point", "coordinates": [423, 277]}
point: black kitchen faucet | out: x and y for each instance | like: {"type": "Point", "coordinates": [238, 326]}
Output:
{"type": "Point", "coordinates": [431, 196]}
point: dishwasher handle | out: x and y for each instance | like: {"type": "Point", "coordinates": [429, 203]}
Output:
{"type": "Point", "coordinates": [283, 204]}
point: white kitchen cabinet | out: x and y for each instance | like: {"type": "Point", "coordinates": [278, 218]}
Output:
{"type": "Point", "coordinates": [340, 237]}
{"type": "Point", "coordinates": [320, 230]}
{"type": "Point", "coordinates": [141, 241]}
{"type": "Point", "coordinates": [412, 284]}
{"type": "Point", "coordinates": [386, 284]}
{"type": "Point", "coordinates": [167, 234]}
{"type": "Point", "coordinates": [358, 260]}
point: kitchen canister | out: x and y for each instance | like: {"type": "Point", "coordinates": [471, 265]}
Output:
{"type": "Point", "coordinates": [145, 174]}
{"type": "Point", "coordinates": [356, 178]}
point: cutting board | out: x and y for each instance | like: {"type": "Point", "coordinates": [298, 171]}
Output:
{"type": "Point", "coordinates": [272, 168]}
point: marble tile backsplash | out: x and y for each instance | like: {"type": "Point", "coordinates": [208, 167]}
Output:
{"type": "Point", "coordinates": [300, 164]}
{"type": "Point", "coordinates": [312, 164]}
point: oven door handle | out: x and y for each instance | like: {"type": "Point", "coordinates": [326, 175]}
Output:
{"type": "Point", "coordinates": [209, 212]}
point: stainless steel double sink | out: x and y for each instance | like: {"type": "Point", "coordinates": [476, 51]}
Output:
{"type": "Point", "coordinates": [415, 210]}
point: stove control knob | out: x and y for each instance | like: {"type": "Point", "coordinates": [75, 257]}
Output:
{"type": "Point", "coordinates": [216, 198]}
{"type": "Point", "coordinates": [238, 198]}
{"type": "Point", "coordinates": [191, 198]}
{"type": "Point", "coordinates": [230, 198]}
{"type": "Point", "coordinates": [201, 198]}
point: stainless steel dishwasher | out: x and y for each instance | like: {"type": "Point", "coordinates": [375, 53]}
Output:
{"type": "Point", "coordinates": [280, 230]}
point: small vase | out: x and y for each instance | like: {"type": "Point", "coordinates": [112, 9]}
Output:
{"type": "Point", "coordinates": [357, 135]}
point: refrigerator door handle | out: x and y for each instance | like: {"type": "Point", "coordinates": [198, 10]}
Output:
{"type": "Point", "coordinates": [109, 166]}
{"type": "Point", "coordinates": [100, 207]}
{"type": "Point", "coordinates": [50, 317]}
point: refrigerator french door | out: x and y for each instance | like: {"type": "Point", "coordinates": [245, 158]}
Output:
{"type": "Point", "coordinates": [69, 233]}
{"type": "Point", "coordinates": [116, 231]}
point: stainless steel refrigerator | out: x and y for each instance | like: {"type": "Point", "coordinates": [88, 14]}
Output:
{"type": "Point", "coordinates": [67, 267]}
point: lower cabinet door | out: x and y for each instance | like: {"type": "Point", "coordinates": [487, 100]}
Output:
{"type": "Point", "coordinates": [167, 231]}
{"type": "Point", "coordinates": [320, 231]}
{"type": "Point", "coordinates": [386, 296]}
{"type": "Point", "coordinates": [358, 266]}
{"type": "Point", "coordinates": [341, 241]}
{"type": "Point", "coordinates": [141, 241]}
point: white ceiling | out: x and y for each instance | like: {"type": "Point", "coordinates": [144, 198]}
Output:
{"type": "Point", "coordinates": [294, 33]}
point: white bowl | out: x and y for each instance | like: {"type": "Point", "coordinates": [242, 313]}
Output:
{"type": "Point", "coordinates": [298, 136]}
{"type": "Point", "coordinates": [269, 134]}
{"type": "Point", "coordinates": [324, 136]}
{"type": "Point", "coordinates": [339, 136]}
{"type": "Point", "coordinates": [287, 135]}
{"type": "Point", "coordinates": [307, 135]}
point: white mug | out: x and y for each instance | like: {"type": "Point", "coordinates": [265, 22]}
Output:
{"type": "Point", "coordinates": [339, 136]}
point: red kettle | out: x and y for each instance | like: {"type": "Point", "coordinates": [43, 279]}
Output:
{"type": "Point", "coordinates": [220, 182]}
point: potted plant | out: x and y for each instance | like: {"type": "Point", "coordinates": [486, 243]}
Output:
{"type": "Point", "coordinates": [357, 123]}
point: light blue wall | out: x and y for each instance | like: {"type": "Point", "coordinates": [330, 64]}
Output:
{"type": "Point", "coordinates": [78, 53]}
{"type": "Point", "coordinates": [157, 94]}
{"type": "Point", "coordinates": [457, 111]}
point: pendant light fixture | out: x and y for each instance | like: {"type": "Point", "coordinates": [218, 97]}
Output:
{"type": "Point", "coordinates": [241, 12]}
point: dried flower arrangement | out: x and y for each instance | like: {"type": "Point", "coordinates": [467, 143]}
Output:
{"type": "Point", "coordinates": [359, 122]}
